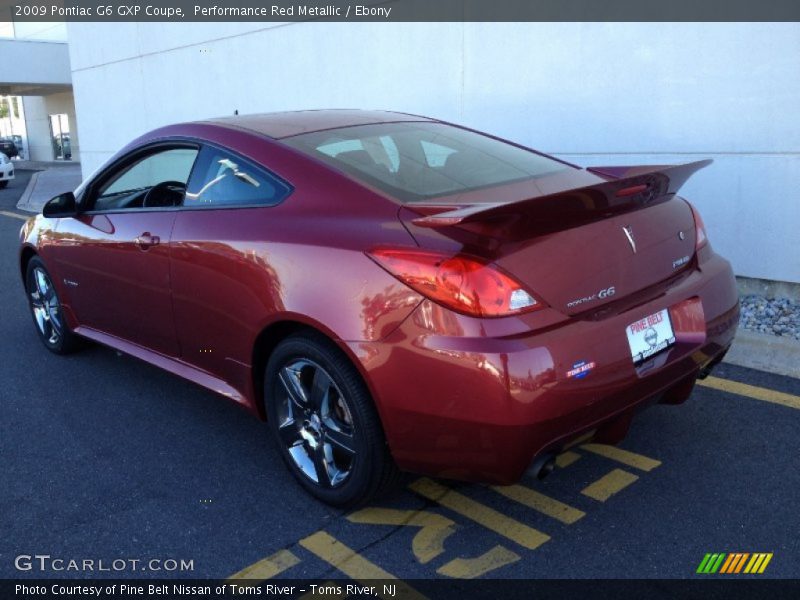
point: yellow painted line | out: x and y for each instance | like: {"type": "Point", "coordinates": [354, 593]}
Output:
{"type": "Point", "coordinates": [625, 457]}
{"type": "Point", "coordinates": [267, 568]}
{"type": "Point", "coordinates": [751, 391]}
{"type": "Point", "coordinates": [327, 591]}
{"type": "Point", "coordinates": [579, 440]}
{"type": "Point", "coordinates": [541, 503]}
{"type": "Point", "coordinates": [428, 543]}
{"type": "Point", "coordinates": [565, 459]}
{"type": "Point", "coordinates": [6, 213]}
{"type": "Point", "coordinates": [470, 568]}
{"type": "Point", "coordinates": [355, 566]}
{"type": "Point", "coordinates": [525, 536]}
{"type": "Point", "coordinates": [609, 484]}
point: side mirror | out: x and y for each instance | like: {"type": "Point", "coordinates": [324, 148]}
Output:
{"type": "Point", "coordinates": [63, 205]}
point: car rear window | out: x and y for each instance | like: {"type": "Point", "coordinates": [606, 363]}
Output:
{"type": "Point", "coordinates": [415, 161]}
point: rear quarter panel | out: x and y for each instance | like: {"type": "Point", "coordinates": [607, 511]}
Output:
{"type": "Point", "coordinates": [236, 271]}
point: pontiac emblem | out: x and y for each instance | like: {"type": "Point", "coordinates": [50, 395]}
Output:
{"type": "Point", "coordinates": [629, 234]}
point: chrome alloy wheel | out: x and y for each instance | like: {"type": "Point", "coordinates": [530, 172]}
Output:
{"type": "Point", "coordinates": [315, 423]}
{"type": "Point", "coordinates": [45, 306]}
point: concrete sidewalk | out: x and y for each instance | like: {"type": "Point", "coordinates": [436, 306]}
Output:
{"type": "Point", "coordinates": [49, 180]}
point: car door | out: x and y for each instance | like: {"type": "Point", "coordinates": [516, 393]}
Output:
{"type": "Point", "coordinates": [222, 277]}
{"type": "Point", "coordinates": [114, 256]}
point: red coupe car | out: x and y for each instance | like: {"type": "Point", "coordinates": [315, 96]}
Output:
{"type": "Point", "coordinates": [391, 292]}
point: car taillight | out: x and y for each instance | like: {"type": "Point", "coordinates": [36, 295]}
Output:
{"type": "Point", "coordinates": [701, 239]}
{"type": "Point", "coordinates": [465, 284]}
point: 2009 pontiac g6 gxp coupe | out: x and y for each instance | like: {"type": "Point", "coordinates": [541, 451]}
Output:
{"type": "Point", "coordinates": [390, 292]}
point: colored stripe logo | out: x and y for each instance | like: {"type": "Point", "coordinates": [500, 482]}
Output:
{"type": "Point", "coordinates": [734, 563]}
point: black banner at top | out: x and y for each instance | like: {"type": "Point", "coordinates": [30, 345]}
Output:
{"type": "Point", "coordinates": [398, 11]}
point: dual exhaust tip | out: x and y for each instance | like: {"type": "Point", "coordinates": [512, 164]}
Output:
{"type": "Point", "coordinates": [542, 466]}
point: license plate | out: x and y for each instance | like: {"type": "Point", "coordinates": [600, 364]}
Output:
{"type": "Point", "coordinates": [650, 335]}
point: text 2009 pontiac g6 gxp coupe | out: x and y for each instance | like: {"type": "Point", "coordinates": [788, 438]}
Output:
{"type": "Point", "coordinates": [390, 292]}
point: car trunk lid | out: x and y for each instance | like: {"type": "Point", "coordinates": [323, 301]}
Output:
{"type": "Point", "coordinates": [578, 248]}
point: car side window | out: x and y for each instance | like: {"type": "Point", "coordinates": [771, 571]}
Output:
{"type": "Point", "coordinates": [129, 187]}
{"type": "Point", "coordinates": [223, 179]}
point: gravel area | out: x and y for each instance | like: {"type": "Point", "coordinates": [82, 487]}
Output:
{"type": "Point", "coordinates": [775, 316]}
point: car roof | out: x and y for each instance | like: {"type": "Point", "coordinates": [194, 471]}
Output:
{"type": "Point", "coordinates": [286, 124]}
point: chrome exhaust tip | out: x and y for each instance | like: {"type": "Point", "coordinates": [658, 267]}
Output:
{"type": "Point", "coordinates": [542, 466]}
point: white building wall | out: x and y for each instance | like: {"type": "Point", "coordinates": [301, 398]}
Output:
{"type": "Point", "coordinates": [40, 147]}
{"type": "Point", "coordinates": [593, 93]}
{"type": "Point", "coordinates": [34, 63]}
{"type": "Point", "coordinates": [52, 31]}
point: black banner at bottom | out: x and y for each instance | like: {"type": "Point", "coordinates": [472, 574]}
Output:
{"type": "Point", "coordinates": [417, 589]}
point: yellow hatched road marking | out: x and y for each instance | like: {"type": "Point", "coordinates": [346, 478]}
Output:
{"type": "Point", "coordinates": [470, 568]}
{"type": "Point", "coordinates": [609, 484]}
{"type": "Point", "coordinates": [525, 536]}
{"type": "Point", "coordinates": [268, 567]}
{"type": "Point", "coordinates": [751, 391]}
{"type": "Point", "coordinates": [427, 544]}
{"type": "Point", "coordinates": [623, 456]}
{"type": "Point", "coordinates": [579, 440]}
{"type": "Point", "coordinates": [539, 502]}
{"type": "Point", "coordinates": [6, 213]}
{"type": "Point", "coordinates": [352, 564]}
{"type": "Point", "coordinates": [565, 459]}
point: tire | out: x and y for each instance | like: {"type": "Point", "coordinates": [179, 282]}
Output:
{"type": "Point", "coordinates": [46, 310]}
{"type": "Point", "coordinates": [325, 424]}
{"type": "Point", "coordinates": [3, 184]}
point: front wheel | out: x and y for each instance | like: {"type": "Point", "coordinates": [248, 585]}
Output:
{"type": "Point", "coordinates": [325, 424]}
{"type": "Point", "coordinates": [3, 184]}
{"type": "Point", "coordinates": [46, 310]}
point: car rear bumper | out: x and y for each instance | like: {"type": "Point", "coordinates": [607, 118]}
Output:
{"type": "Point", "coordinates": [483, 408]}
{"type": "Point", "coordinates": [6, 172]}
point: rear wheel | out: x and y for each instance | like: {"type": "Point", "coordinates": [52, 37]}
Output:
{"type": "Point", "coordinates": [324, 422]}
{"type": "Point", "coordinates": [3, 184]}
{"type": "Point", "coordinates": [46, 310]}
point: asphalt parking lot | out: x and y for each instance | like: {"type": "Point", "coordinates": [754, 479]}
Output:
{"type": "Point", "coordinates": [105, 457]}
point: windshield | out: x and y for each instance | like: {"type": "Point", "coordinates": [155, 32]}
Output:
{"type": "Point", "coordinates": [415, 161]}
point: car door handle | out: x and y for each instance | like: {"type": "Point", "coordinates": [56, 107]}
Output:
{"type": "Point", "coordinates": [145, 240]}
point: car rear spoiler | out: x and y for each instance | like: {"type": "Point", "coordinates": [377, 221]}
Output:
{"type": "Point", "coordinates": [625, 188]}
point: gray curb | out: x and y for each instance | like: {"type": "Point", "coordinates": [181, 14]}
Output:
{"type": "Point", "coordinates": [765, 352]}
